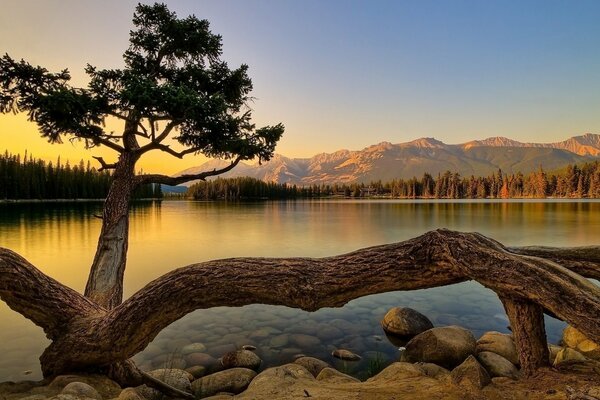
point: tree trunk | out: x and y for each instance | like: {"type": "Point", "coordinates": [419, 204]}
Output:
{"type": "Point", "coordinates": [88, 337]}
{"type": "Point", "coordinates": [105, 281]}
{"type": "Point", "coordinates": [527, 323]}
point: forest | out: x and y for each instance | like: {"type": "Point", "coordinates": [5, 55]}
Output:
{"type": "Point", "coordinates": [571, 182]}
{"type": "Point", "coordinates": [28, 178]}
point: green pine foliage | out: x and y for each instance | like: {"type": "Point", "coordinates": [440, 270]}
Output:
{"type": "Point", "coordinates": [27, 178]}
{"type": "Point", "coordinates": [571, 182]}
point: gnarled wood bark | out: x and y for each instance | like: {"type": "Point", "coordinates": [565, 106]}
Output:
{"type": "Point", "coordinates": [94, 337]}
{"type": "Point", "coordinates": [527, 323]}
{"type": "Point", "coordinates": [105, 281]}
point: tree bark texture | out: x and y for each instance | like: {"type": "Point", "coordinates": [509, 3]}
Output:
{"type": "Point", "coordinates": [527, 323]}
{"type": "Point", "coordinates": [87, 336]}
{"type": "Point", "coordinates": [105, 281]}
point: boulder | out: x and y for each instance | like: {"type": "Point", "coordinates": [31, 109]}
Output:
{"type": "Point", "coordinates": [346, 355]}
{"type": "Point", "coordinates": [568, 354]}
{"type": "Point", "coordinates": [80, 389]}
{"type": "Point", "coordinates": [107, 388]}
{"type": "Point", "coordinates": [446, 346]}
{"type": "Point", "coordinates": [470, 374]}
{"type": "Point", "coordinates": [177, 378]}
{"type": "Point", "coordinates": [197, 371]}
{"type": "Point", "coordinates": [433, 370]}
{"type": "Point", "coordinates": [398, 370]}
{"type": "Point", "coordinates": [497, 366]}
{"type": "Point", "coordinates": [313, 365]}
{"type": "Point", "coordinates": [578, 341]}
{"type": "Point", "coordinates": [233, 380]}
{"type": "Point", "coordinates": [241, 359]}
{"type": "Point", "coordinates": [404, 321]}
{"type": "Point", "coordinates": [553, 352]}
{"type": "Point", "coordinates": [499, 343]}
{"type": "Point", "coordinates": [332, 375]}
{"type": "Point", "coordinates": [130, 394]}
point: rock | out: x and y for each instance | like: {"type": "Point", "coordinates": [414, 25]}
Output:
{"type": "Point", "coordinates": [304, 341]}
{"type": "Point", "coordinates": [203, 359]}
{"type": "Point", "coordinates": [193, 348]}
{"type": "Point", "coordinates": [242, 359]}
{"type": "Point", "coordinates": [499, 343]}
{"type": "Point", "coordinates": [107, 388]}
{"type": "Point", "coordinates": [496, 365]}
{"type": "Point", "coordinates": [218, 351]}
{"type": "Point", "coordinates": [174, 377]}
{"type": "Point", "coordinates": [433, 370]}
{"type": "Point", "coordinates": [346, 355]}
{"type": "Point", "coordinates": [313, 365]}
{"type": "Point", "coordinates": [233, 380]}
{"type": "Point", "coordinates": [279, 340]}
{"type": "Point", "coordinates": [80, 389]}
{"type": "Point", "coordinates": [332, 375]}
{"type": "Point", "coordinates": [553, 350]}
{"type": "Point", "coordinates": [196, 371]}
{"type": "Point", "coordinates": [397, 370]}
{"type": "Point", "coordinates": [568, 354]}
{"type": "Point", "coordinates": [249, 347]}
{"type": "Point", "coordinates": [329, 333]}
{"type": "Point", "coordinates": [404, 321]}
{"type": "Point", "coordinates": [578, 341]}
{"type": "Point", "coordinates": [130, 394]}
{"type": "Point", "coordinates": [446, 346]}
{"type": "Point", "coordinates": [283, 376]}
{"type": "Point", "coordinates": [470, 374]}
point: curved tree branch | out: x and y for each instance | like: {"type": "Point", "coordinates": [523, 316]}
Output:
{"type": "Point", "coordinates": [103, 164]}
{"type": "Point", "coordinates": [96, 337]}
{"type": "Point", "coordinates": [177, 180]}
{"type": "Point", "coordinates": [43, 300]}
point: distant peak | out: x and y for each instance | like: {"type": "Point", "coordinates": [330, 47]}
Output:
{"type": "Point", "coordinates": [425, 142]}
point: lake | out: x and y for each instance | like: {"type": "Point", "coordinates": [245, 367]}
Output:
{"type": "Point", "coordinates": [60, 239]}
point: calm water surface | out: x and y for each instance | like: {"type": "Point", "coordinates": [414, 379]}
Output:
{"type": "Point", "coordinates": [60, 239]}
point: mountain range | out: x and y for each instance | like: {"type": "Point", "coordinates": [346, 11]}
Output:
{"type": "Point", "coordinates": [386, 161]}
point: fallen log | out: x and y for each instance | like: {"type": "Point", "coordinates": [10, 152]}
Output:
{"type": "Point", "coordinates": [87, 337]}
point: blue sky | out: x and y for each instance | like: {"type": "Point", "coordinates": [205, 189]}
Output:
{"type": "Point", "coordinates": [346, 74]}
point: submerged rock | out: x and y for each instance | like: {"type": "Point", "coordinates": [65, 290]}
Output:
{"type": "Point", "coordinates": [446, 346]}
{"type": "Point", "coordinates": [404, 321]}
{"type": "Point", "coordinates": [346, 355]}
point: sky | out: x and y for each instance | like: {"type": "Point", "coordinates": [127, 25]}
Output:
{"type": "Point", "coordinates": [348, 74]}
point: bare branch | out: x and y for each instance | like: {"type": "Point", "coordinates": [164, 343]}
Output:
{"type": "Point", "coordinates": [163, 135]}
{"type": "Point", "coordinates": [177, 180]}
{"type": "Point", "coordinates": [107, 143]}
{"type": "Point", "coordinates": [168, 149]}
{"type": "Point", "coordinates": [104, 164]}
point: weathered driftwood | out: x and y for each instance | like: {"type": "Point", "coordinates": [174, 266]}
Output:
{"type": "Point", "coordinates": [87, 336]}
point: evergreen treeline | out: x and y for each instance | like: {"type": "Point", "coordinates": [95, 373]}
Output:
{"type": "Point", "coordinates": [28, 178]}
{"type": "Point", "coordinates": [571, 182]}
{"type": "Point", "coordinates": [240, 189]}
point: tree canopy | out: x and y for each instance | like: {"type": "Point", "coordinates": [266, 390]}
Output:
{"type": "Point", "coordinates": [174, 80]}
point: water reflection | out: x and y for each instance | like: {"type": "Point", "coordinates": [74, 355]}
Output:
{"type": "Point", "coordinates": [60, 239]}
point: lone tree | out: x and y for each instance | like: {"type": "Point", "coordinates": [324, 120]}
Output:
{"type": "Point", "coordinates": [174, 84]}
